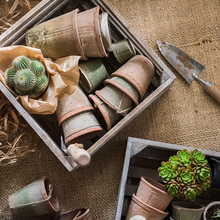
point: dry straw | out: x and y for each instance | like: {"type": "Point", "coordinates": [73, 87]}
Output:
{"type": "Point", "coordinates": [14, 141]}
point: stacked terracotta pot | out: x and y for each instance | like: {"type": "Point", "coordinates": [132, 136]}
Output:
{"type": "Point", "coordinates": [126, 87]}
{"type": "Point", "coordinates": [150, 201]}
{"type": "Point", "coordinates": [85, 34]}
{"type": "Point", "coordinates": [75, 114]}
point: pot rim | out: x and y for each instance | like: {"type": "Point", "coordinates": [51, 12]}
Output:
{"type": "Point", "coordinates": [180, 204]}
{"type": "Point", "coordinates": [87, 211]}
{"type": "Point", "coordinates": [143, 205]}
{"type": "Point", "coordinates": [209, 206]}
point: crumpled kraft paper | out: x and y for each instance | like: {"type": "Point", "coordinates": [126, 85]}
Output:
{"type": "Point", "coordinates": [63, 77]}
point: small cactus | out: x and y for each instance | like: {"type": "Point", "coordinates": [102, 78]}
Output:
{"type": "Point", "coordinates": [37, 67]}
{"type": "Point", "coordinates": [24, 80]}
{"type": "Point", "coordinates": [20, 62]}
{"type": "Point", "coordinates": [41, 83]}
{"type": "Point", "coordinates": [9, 76]}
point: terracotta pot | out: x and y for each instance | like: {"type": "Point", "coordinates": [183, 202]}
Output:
{"type": "Point", "coordinates": [185, 210]}
{"type": "Point", "coordinates": [90, 33]}
{"type": "Point", "coordinates": [57, 37]}
{"type": "Point", "coordinates": [125, 87]}
{"type": "Point", "coordinates": [105, 31]}
{"type": "Point", "coordinates": [108, 115]}
{"type": "Point", "coordinates": [92, 74]}
{"type": "Point", "coordinates": [72, 104]}
{"type": "Point", "coordinates": [123, 50]}
{"type": "Point", "coordinates": [78, 214]}
{"type": "Point", "coordinates": [115, 98]}
{"type": "Point", "coordinates": [211, 210]}
{"type": "Point", "coordinates": [138, 71]}
{"type": "Point", "coordinates": [137, 207]}
{"type": "Point", "coordinates": [37, 198]}
{"type": "Point", "coordinates": [153, 193]}
{"type": "Point", "coordinates": [80, 128]}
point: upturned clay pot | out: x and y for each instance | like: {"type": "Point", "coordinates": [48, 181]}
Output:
{"type": "Point", "coordinates": [153, 193]}
{"type": "Point", "coordinates": [37, 198]}
{"type": "Point", "coordinates": [211, 210]}
{"type": "Point", "coordinates": [105, 31]}
{"type": "Point", "coordinates": [80, 128]}
{"type": "Point", "coordinates": [125, 87]}
{"type": "Point", "coordinates": [78, 214]}
{"type": "Point", "coordinates": [137, 207]}
{"type": "Point", "coordinates": [72, 104]}
{"type": "Point", "coordinates": [138, 71]}
{"type": "Point", "coordinates": [185, 210]}
{"type": "Point", "coordinates": [115, 98]}
{"type": "Point", "coordinates": [108, 115]}
{"type": "Point", "coordinates": [215, 172]}
{"type": "Point", "coordinates": [57, 37]}
{"type": "Point", "coordinates": [123, 50]}
{"type": "Point", "coordinates": [92, 74]}
{"type": "Point", "coordinates": [90, 33]}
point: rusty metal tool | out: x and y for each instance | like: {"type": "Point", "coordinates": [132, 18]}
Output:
{"type": "Point", "coordinates": [187, 67]}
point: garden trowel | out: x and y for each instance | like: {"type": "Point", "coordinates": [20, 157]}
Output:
{"type": "Point", "coordinates": [187, 67]}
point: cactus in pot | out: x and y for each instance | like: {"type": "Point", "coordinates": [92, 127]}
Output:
{"type": "Point", "coordinates": [27, 76]}
{"type": "Point", "coordinates": [186, 174]}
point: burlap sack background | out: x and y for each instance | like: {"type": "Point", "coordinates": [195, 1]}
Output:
{"type": "Point", "coordinates": [185, 115]}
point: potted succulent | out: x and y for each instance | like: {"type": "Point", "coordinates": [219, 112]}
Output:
{"type": "Point", "coordinates": [186, 175]}
{"type": "Point", "coordinates": [212, 211]}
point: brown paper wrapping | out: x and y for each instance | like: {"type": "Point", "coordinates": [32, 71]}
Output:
{"type": "Point", "coordinates": [63, 77]}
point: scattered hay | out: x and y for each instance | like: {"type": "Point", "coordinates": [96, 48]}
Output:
{"type": "Point", "coordinates": [14, 141]}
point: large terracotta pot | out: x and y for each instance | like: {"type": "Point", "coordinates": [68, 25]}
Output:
{"type": "Point", "coordinates": [72, 104]}
{"type": "Point", "coordinates": [138, 71]}
{"type": "Point", "coordinates": [78, 214]}
{"type": "Point", "coordinates": [58, 37]}
{"type": "Point", "coordinates": [107, 114]}
{"type": "Point", "coordinates": [90, 33]}
{"type": "Point", "coordinates": [137, 207]}
{"type": "Point", "coordinates": [115, 98]}
{"type": "Point", "coordinates": [125, 87]}
{"type": "Point", "coordinates": [80, 128]}
{"type": "Point", "coordinates": [37, 198]}
{"type": "Point", "coordinates": [185, 210]}
{"type": "Point", "coordinates": [153, 193]}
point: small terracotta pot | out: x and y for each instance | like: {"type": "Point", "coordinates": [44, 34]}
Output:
{"type": "Point", "coordinates": [153, 193]}
{"type": "Point", "coordinates": [210, 210]}
{"type": "Point", "coordinates": [123, 50]}
{"type": "Point", "coordinates": [185, 210]}
{"type": "Point", "coordinates": [37, 198]}
{"type": "Point", "coordinates": [72, 104]}
{"type": "Point", "coordinates": [90, 33]}
{"type": "Point", "coordinates": [78, 214]}
{"type": "Point", "coordinates": [57, 37]}
{"type": "Point", "coordinates": [105, 31]}
{"type": "Point", "coordinates": [138, 71]}
{"type": "Point", "coordinates": [80, 128]}
{"type": "Point", "coordinates": [137, 207]}
{"type": "Point", "coordinates": [92, 74]}
{"type": "Point", "coordinates": [108, 115]}
{"type": "Point", "coordinates": [115, 98]}
{"type": "Point", "coordinates": [125, 87]}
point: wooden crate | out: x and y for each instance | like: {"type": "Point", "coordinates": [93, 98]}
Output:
{"type": "Point", "coordinates": [120, 29]}
{"type": "Point", "coordinates": [142, 158]}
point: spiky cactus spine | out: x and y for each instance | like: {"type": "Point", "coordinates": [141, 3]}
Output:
{"type": "Point", "coordinates": [41, 83]}
{"type": "Point", "coordinates": [9, 76]}
{"type": "Point", "coordinates": [20, 62]}
{"type": "Point", "coordinates": [24, 80]}
{"type": "Point", "coordinates": [37, 67]}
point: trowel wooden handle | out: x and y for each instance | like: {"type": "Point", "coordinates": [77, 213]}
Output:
{"type": "Point", "coordinates": [213, 91]}
{"type": "Point", "coordinates": [79, 154]}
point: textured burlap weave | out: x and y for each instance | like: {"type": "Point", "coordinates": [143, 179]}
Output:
{"type": "Point", "coordinates": [184, 115]}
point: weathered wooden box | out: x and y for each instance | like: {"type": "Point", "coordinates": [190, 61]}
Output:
{"type": "Point", "coordinates": [142, 158]}
{"type": "Point", "coordinates": [120, 29]}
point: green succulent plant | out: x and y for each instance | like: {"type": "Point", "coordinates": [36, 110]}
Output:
{"type": "Point", "coordinates": [37, 67]}
{"type": "Point", "coordinates": [20, 62]}
{"type": "Point", "coordinates": [9, 76]}
{"type": "Point", "coordinates": [167, 172]}
{"type": "Point", "coordinates": [186, 174]}
{"type": "Point", "coordinates": [27, 76]}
